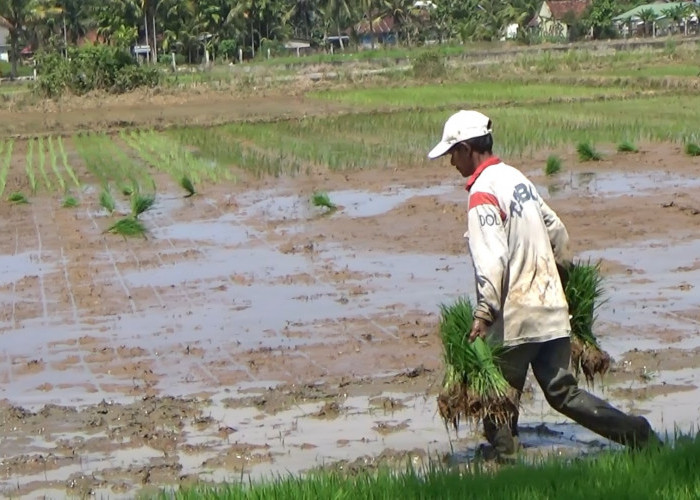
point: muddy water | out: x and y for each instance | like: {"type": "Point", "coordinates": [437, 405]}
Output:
{"type": "Point", "coordinates": [295, 338]}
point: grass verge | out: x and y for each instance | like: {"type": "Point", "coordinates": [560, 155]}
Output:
{"type": "Point", "coordinates": [668, 473]}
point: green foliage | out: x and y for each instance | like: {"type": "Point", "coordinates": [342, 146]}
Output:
{"type": "Point", "coordinates": [321, 199]}
{"type": "Point", "coordinates": [667, 472]}
{"type": "Point", "coordinates": [627, 147]}
{"type": "Point", "coordinates": [90, 68]}
{"type": "Point", "coordinates": [586, 152]}
{"type": "Point", "coordinates": [17, 198]}
{"type": "Point", "coordinates": [107, 201]}
{"type": "Point", "coordinates": [429, 65]}
{"type": "Point", "coordinates": [692, 149]}
{"type": "Point", "coordinates": [128, 226]}
{"type": "Point", "coordinates": [70, 202]}
{"type": "Point", "coordinates": [553, 165]}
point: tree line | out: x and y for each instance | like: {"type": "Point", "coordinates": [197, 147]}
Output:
{"type": "Point", "coordinates": [192, 28]}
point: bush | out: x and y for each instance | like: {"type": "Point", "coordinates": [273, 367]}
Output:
{"type": "Point", "coordinates": [91, 68]}
{"type": "Point", "coordinates": [429, 65]}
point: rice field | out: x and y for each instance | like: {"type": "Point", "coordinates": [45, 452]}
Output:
{"type": "Point", "coordinates": [132, 160]}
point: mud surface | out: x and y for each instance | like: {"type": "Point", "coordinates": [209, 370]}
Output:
{"type": "Point", "coordinates": [252, 333]}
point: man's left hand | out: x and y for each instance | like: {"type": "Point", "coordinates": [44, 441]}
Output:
{"type": "Point", "coordinates": [479, 329]}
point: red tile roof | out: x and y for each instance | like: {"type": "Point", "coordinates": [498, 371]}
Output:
{"type": "Point", "coordinates": [560, 8]}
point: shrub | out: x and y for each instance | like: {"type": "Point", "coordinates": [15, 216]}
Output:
{"type": "Point", "coordinates": [89, 68]}
{"type": "Point", "coordinates": [429, 65]}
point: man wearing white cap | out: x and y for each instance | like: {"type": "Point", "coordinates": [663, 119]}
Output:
{"type": "Point", "coordinates": [516, 240]}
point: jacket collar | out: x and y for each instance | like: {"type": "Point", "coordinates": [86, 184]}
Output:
{"type": "Point", "coordinates": [494, 160]}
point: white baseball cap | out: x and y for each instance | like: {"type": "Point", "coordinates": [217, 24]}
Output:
{"type": "Point", "coordinates": [461, 126]}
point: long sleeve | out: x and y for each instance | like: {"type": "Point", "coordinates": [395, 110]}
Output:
{"type": "Point", "coordinates": [558, 236]}
{"type": "Point", "coordinates": [488, 246]}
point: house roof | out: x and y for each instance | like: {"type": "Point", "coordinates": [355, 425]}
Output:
{"type": "Point", "coordinates": [560, 9]}
{"type": "Point", "coordinates": [657, 8]}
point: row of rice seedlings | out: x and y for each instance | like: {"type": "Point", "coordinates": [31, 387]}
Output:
{"type": "Point", "coordinates": [29, 166]}
{"type": "Point", "coordinates": [212, 144]}
{"type": "Point", "coordinates": [168, 155]}
{"type": "Point", "coordinates": [42, 163]}
{"type": "Point", "coordinates": [54, 164]}
{"type": "Point", "coordinates": [64, 159]}
{"type": "Point", "coordinates": [111, 165]}
{"type": "Point", "coordinates": [6, 155]}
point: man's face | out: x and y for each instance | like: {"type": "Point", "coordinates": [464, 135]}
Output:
{"type": "Point", "coordinates": [461, 159]}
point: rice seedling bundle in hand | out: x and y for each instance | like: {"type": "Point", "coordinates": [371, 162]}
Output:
{"type": "Point", "coordinates": [583, 289]}
{"type": "Point", "coordinates": [474, 386]}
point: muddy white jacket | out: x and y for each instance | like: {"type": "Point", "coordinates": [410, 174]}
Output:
{"type": "Point", "coordinates": [515, 240]}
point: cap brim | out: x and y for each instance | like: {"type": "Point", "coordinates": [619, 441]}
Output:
{"type": "Point", "coordinates": [439, 150]}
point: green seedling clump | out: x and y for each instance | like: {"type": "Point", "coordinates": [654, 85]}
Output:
{"type": "Point", "coordinates": [140, 203]}
{"type": "Point", "coordinates": [70, 202]}
{"type": "Point", "coordinates": [583, 289]}
{"type": "Point", "coordinates": [553, 165]}
{"type": "Point", "coordinates": [107, 201]}
{"type": "Point", "coordinates": [18, 198]}
{"type": "Point", "coordinates": [128, 227]}
{"type": "Point", "coordinates": [627, 147]}
{"type": "Point", "coordinates": [692, 149]}
{"type": "Point", "coordinates": [187, 185]}
{"type": "Point", "coordinates": [474, 386]}
{"type": "Point", "coordinates": [586, 152]}
{"type": "Point", "coordinates": [321, 199]}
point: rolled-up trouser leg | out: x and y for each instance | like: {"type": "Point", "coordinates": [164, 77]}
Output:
{"type": "Point", "coordinates": [560, 387]}
{"type": "Point", "coordinates": [514, 364]}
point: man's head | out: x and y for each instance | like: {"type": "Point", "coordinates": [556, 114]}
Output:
{"type": "Point", "coordinates": [467, 138]}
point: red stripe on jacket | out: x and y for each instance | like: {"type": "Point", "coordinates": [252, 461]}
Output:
{"type": "Point", "coordinates": [480, 198]}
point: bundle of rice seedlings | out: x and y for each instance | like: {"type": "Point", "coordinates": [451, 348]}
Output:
{"type": "Point", "coordinates": [627, 147]}
{"type": "Point", "coordinates": [583, 291]}
{"type": "Point", "coordinates": [187, 185]}
{"type": "Point", "coordinates": [553, 165]}
{"type": "Point", "coordinates": [321, 199]}
{"type": "Point", "coordinates": [692, 149]}
{"type": "Point", "coordinates": [18, 198]}
{"type": "Point", "coordinates": [107, 201]}
{"type": "Point", "coordinates": [586, 152]}
{"type": "Point", "coordinates": [140, 203]}
{"type": "Point", "coordinates": [473, 386]}
{"type": "Point", "coordinates": [129, 226]}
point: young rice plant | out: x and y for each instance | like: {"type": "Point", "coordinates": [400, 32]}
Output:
{"type": "Point", "coordinates": [586, 152]}
{"type": "Point", "coordinates": [473, 386]}
{"type": "Point", "coordinates": [107, 201]}
{"type": "Point", "coordinates": [321, 199]}
{"type": "Point", "coordinates": [187, 185]}
{"type": "Point", "coordinates": [553, 165]}
{"type": "Point", "coordinates": [692, 149]}
{"type": "Point", "coordinates": [128, 227]}
{"type": "Point", "coordinates": [627, 147]}
{"type": "Point", "coordinates": [17, 198]}
{"type": "Point", "coordinates": [70, 202]}
{"type": "Point", "coordinates": [583, 289]}
{"type": "Point", "coordinates": [140, 203]}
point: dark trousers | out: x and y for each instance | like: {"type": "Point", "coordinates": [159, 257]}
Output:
{"type": "Point", "coordinates": [550, 365]}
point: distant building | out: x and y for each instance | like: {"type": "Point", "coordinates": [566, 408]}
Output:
{"type": "Point", "coordinates": [4, 44]}
{"type": "Point", "coordinates": [380, 31]}
{"type": "Point", "coordinates": [554, 18]}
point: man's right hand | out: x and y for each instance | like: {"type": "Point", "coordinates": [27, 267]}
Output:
{"type": "Point", "coordinates": [479, 330]}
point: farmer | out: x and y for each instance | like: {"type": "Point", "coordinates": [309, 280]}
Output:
{"type": "Point", "coordinates": [516, 242]}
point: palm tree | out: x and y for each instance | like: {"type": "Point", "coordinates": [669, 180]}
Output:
{"type": "Point", "coordinates": [338, 11]}
{"type": "Point", "coordinates": [679, 14]}
{"type": "Point", "coordinates": [648, 17]}
{"type": "Point", "coordinates": [15, 16]}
